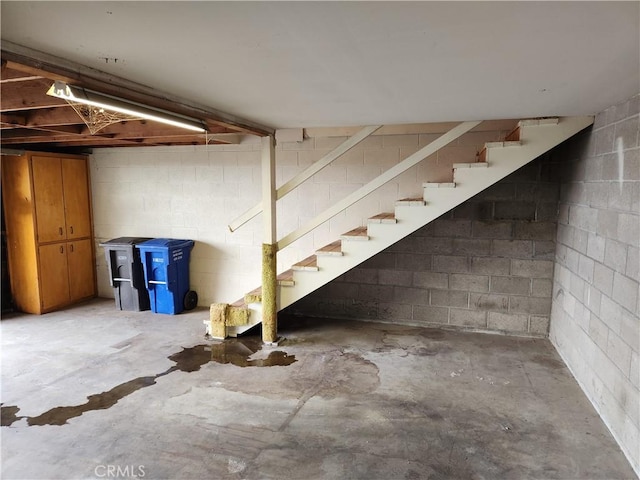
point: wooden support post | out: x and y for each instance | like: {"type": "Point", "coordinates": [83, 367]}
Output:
{"type": "Point", "coordinates": [269, 248]}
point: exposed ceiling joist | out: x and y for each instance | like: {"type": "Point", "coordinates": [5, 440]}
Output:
{"type": "Point", "coordinates": [31, 118]}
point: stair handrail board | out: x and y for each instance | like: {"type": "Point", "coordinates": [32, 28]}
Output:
{"type": "Point", "coordinates": [307, 173]}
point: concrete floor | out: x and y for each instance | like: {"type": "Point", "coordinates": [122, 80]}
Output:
{"type": "Point", "coordinates": [144, 396]}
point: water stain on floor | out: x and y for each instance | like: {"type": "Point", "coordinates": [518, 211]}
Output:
{"type": "Point", "coordinates": [234, 351]}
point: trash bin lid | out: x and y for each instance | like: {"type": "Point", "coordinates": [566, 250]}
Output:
{"type": "Point", "coordinates": [161, 243]}
{"type": "Point", "coordinates": [124, 241]}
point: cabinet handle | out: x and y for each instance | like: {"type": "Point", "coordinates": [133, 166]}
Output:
{"type": "Point", "coordinates": [71, 228]}
{"type": "Point", "coordinates": [60, 231]}
{"type": "Point", "coordinates": [71, 248]}
{"type": "Point", "coordinates": [61, 249]}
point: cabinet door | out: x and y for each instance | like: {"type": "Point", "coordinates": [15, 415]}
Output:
{"type": "Point", "coordinates": [54, 278]}
{"type": "Point", "coordinates": [76, 197]}
{"type": "Point", "coordinates": [49, 199]}
{"type": "Point", "coordinates": [81, 281]}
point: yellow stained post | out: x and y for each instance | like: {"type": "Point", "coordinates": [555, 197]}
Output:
{"type": "Point", "coordinates": [269, 248]}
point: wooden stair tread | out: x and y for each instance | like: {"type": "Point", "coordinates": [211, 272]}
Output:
{"type": "Point", "coordinates": [383, 218]}
{"type": "Point", "coordinates": [286, 278]}
{"type": "Point", "coordinates": [439, 185]}
{"type": "Point", "coordinates": [471, 165]}
{"type": "Point", "coordinates": [411, 202]}
{"type": "Point", "coordinates": [310, 263]}
{"type": "Point", "coordinates": [359, 233]}
{"type": "Point", "coordinates": [334, 248]}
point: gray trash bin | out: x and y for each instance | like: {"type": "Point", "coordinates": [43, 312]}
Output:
{"type": "Point", "coordinates": [126, 273]}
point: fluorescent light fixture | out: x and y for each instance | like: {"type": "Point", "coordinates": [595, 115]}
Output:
{"type": "Point", "coordinates": [107, 102]}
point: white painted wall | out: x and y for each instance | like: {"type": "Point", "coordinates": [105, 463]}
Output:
{"type": "Point", "coordinates": [194, 192]}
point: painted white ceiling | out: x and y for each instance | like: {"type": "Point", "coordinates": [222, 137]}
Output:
{"type": "Point", "coordinates": [303, 64]}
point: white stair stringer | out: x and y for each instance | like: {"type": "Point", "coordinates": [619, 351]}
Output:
{"type": "Point", "coordinates": [536, 138]}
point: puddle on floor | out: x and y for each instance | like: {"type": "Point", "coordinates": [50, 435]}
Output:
{"type": "Point", "coordinates": [235, 351]}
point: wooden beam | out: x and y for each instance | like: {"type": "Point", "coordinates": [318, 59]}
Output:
{"type": "Point", "coordinates": [409, 128]}
{"type": "Point", "coordinates": [27, 95]}
{"type": "Point", "coordinates": [58, 68]}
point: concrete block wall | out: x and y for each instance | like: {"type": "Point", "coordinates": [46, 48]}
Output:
{"type": "Point", "coordinates": [487, 265]}
{"type": "Point", "coordinates": [196, 191]}
{"type": "Point", "coordinates": [595, 323]}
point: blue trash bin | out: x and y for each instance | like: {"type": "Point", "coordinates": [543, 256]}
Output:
{"type": "Point", "coordinates": [166, 271]}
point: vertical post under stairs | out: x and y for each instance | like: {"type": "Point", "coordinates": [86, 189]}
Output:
{"type": "Point", "coordinates": [269, 247]}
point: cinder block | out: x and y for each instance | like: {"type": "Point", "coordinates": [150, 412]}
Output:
{"type": "Point", "coordinates": [361, 275]}
{"type": "Point", "coordinates": [513, 248]}
{"type": "Point", "coordinates": [452, 228]}
{"type": "Point", "coordinates": [471, 283]}
{"type": "Point", "coordinates": [395, 277]}
{"type": "Point", "coordinates": [450, 264]}
{"type": "Point", "coordinates": [539, 324]}
{"type": "Point", "coordinates": [489, 302]}
{"type": "Point", "coordinates": [603, 278]}
{"type": "Point", "coordinates": [607, 224]}
{"type": "Point", "coordinates": [585, 268]}
{"type": "Point", "coordinates": [580, 240]}
{"type": "Point", "coordinates": [490, 265]}
{"type": "Point", "coordinates": [624, 196]}
{"type": "Point", "coordinates": [530, 305]}
{"type": "Point", "coordinates": [619, 353]}
{"type": "Point", "coordinates": [537, 191]}
{"type": "Point", "coordinates": [394, 311]}
{"type": "Point", "coordinates": [507, 322]}
{"type": "Point", "coordinates": [596, 247]}
{"type": "Point", "coordinates": [625, 292]}
{"type": "Point", "coordinates": [584, 218]}
{"type": "Point", "coordinates": [536, 230]}
{"type": "Point", "coordinates": [338, 289]}
{"type": "Point", "coordinates": [413, 262]}
{"type": "Point", "coordinates": [475, 246]}
{"type": "Point", "coordinates": [482, 229]}
{"type": "Point", "coordinates": [611, 313]}
{"type": "Point", "coordinates": [430, 280]}
{"type": "Point", "coordinates": [431, 314]}
{"type": "Point", "coordinates": [511, 285]}
{"type": "Point", "coordinates": [598, 332]}
{"type": "Point", "coordinates": [410, 296]}
{"type": "Point", "coordinates": [514, 210]}
{"type": "Point", "coordinates": [468, 318]}
{"type": "Point", "coordinates": [500, 191]}
{"type": "Point", "coordinates": [474, 210]}
{"type": "Point", "coordinates": [605, 139]}
{"type": "Point", "coordinates": [541, 288]}
{"type": "Point", "coordinates": [615, 255]}
{"type": "Point", "coordinates": [382, 260]}
{"type": "Point", "coordinates": [547, 212]}
{"type": "Point", "coordinates": [630, 330]}
{"type": "Point", "coordinates": [362, 173]}
{"type": "Point", "coordinates": [449, 298]}
{"type": "Point", "coordinates": [626, 132]}
{"type": "Point", "coordinates": [544, 250]}
{"type": "Point", "coordinates": [532, 268]}
{"type": "Point", "coordinates": [628, 228]}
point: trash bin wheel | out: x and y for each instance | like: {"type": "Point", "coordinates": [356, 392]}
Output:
{"type": "Point", "coordinates": [190, 300]}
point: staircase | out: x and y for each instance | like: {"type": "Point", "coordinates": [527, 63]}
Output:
{"type": "Point", "coordinates": [527, 142]}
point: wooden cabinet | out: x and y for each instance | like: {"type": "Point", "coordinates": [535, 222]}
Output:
{"type": "Point", "coordinates": [47, 206]}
